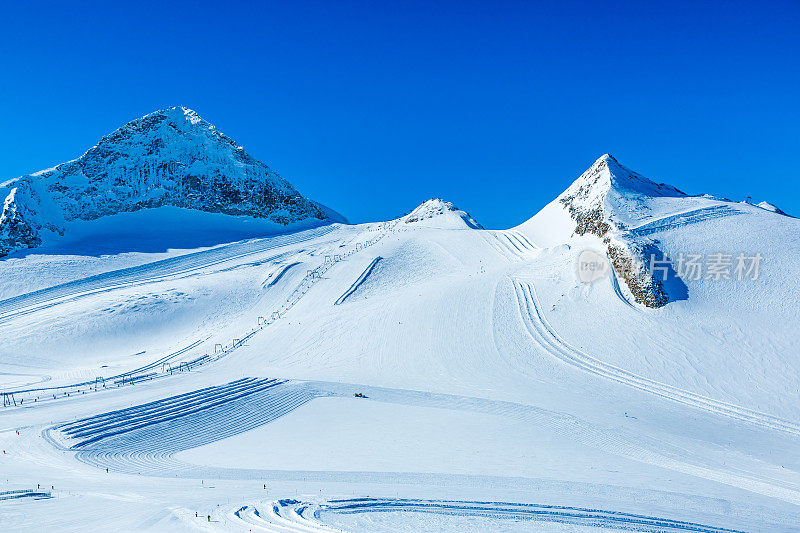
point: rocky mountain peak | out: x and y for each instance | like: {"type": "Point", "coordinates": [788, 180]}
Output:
{"type": "Point", "coordinates": [607, 177]}
{"type": "Point", "coordinates": [171, 157]}
{"type": "Point", "coordinates": [604, 201]}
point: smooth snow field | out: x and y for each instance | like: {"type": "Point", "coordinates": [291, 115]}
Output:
{"type": "Point", "coordinates": [205, 379]}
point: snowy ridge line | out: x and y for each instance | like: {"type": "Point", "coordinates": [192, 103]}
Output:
{"type": "Point", "coordinates": [682, 219]}
{"type": "Point", "coordinates": [290, 515]}
{"type": "Point", "coordinates": [159, 160]}
{"type": "Point", "coordinates": [541, 331]}
{"type": "Point", "coordinates": [148, 273]}
{"type": "Point", "coordinates": [93, 429]}
{"type": "Point", "coordinates": [357, 283]}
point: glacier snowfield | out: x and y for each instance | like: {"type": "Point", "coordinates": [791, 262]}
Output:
{"type": "Point", "coordinates": [211, 386]}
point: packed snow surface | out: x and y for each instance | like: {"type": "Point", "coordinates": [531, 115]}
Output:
{"type": "Point", "coordinates": [172, 369]}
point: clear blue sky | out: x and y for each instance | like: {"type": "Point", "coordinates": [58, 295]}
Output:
{"type": "Point", "coordinates": [373, 107]}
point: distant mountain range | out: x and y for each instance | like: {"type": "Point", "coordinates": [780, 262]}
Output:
{"type": "Point", "coordinates": [174, 158]}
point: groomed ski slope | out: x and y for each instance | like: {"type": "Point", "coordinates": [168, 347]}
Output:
{"type": "Point", "coordinates": [501, 393]}
{"type": "Point", "coordinates": [544, 334]}
{"type": "Point", "coordinates": [294, 515]}
{"type": "Point", "coordinates": [159, 307]}
{"type": "Point", "coordinates": [176, 267]}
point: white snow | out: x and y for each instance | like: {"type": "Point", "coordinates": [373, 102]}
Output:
{"type": "Point", "coordinates": [438, 213]}
{"type": "Point", "coordinates": [501, 393]}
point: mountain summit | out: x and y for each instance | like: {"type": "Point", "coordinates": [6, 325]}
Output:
{"type": "Point", "coordinates": [605, 203]}
{"type": "Point", "coordinates": [440, 213]}
{"type": "Point", "coordinates": [171, 157]}
{"type": "Point", "coordinates": [610, 193]}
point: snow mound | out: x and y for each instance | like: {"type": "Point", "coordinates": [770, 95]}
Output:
{"type": "Point", "coordinates": [440, 214]}
{"type": "Point", "coordinates": [171, 157]}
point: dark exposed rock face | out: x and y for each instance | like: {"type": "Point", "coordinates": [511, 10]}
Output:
{"type": "Point", "coordinates": [587, 201]}
{"type": "Point", "coordinates": [168, 158]}
{"type": "Point", "coordinates": [644, 286]}
{"type": "Point", "coordinates": [16, 233]}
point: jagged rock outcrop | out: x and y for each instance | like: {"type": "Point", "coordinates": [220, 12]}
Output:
{"type": "Point", "coordinates": [601, 202]}
{"type": "Point", "coordinates": [16, 232]}
{"type": "Point", "coordinates": [170, 157]}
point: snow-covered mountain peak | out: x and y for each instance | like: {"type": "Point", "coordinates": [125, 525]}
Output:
{"type": "Point", "coordinates": [179, 113]}
{"type": "Point", "coordinates": [609, 194]}
{"type": "Point", "coordinates": [170, 157]}
{"type": "Point", "coordinates": [175, 114]}
{"type": "Point", "coordinates": [606, 201]}
{"type": "Point", "coordinates": [607, 177]}
{"type": "Point", "coordinates": [770, 207]}
{"type": "Point", "coordinates": [168, 125]}
{"type": "Point", "coordinates": [442, 214]}
{"type": "Point", "coordinates": [430, 208]}
{"type": "Point", "coordinates": [179, 117]}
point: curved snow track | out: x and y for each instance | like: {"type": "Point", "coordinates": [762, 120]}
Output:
{"type": "Point", "coordinates": [145, 439]}
{"type": "Point", "coordinates": [541, 331]}
{"type": "Point", "coordinates": [93, 429]}
{"type": "Point", "coordinates": [156, 430]}
{"type": "Point", "coordinates": [199, 418]}
{"type": "Point", "coordinates": [282, 516]}
{"type": "Point", "coordinates": [511, 244]}
{"type": "Point", "coordinates": [34, 494]}
{"type": "Point", "coordinates": [682, 219]}
{"type": "Point", "coordinates": [357, 283]}
{"type": "Point", "coordinates": [276, 276]}
{"type": "Point", "coordinates": [617, 288]}
{"type": "Point", "coordinates": [291, 515]}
